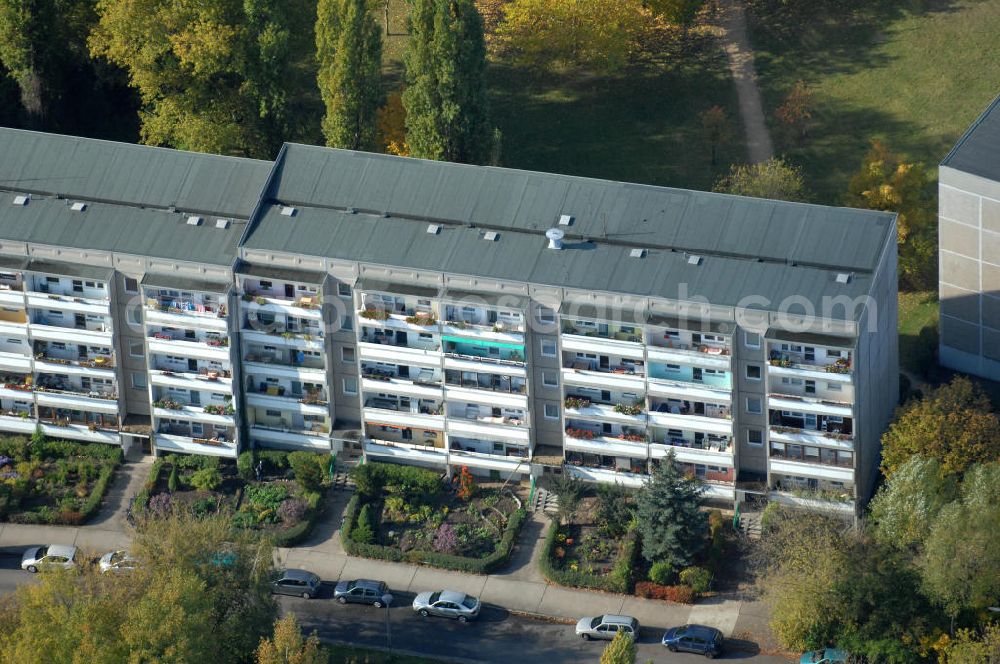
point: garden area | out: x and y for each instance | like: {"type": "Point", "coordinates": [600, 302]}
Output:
{"type": "Point", "coordinates": [658, 542]}
{"type": "Point", "coordinates": [405, 513]}
{"type": "Point", "coordinates": [53, 482]}
{"type": "Point", "coordinates": [277, 494]}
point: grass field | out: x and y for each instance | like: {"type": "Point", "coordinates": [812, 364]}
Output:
{"type": "Point", "coordinates": [918, 332]}
{"type": "Point", "coordinates": [640, 125]}
{"type": "Point", "coordinates": [915, 74]}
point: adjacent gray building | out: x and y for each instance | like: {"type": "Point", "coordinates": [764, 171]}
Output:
{"type": "Point", "coordinates": [969, 238]}
{"type": "Point", "coordinates": [444, 315]}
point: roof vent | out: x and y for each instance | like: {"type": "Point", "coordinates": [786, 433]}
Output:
{"type": "Point", "coordinates": [287, 211]}
{"type": "Point", "coordinates": [78, 207]}
{"type": "Point", "coordinates": [350, 210]}
{"type": "Point", "coordinates": [491, 236]}
{"type": "Point", "coordinates": [843, 278]}
{"type": "Point", "coordinates": [637, 253]}
{"type": "Point", "coordinates": [434, 229]}
{"type": "Point", "coordinates": [555, 237]}
{"type": "Point", "coordinates": [194, 221]}
{"type": "Point", "coordinates": [222, 223]}
{"type": "Point", "coordinates": [566, 220]}
{"type": "Point", "coordinates": [22, 200]}
{"type": "Point", "coordinates": [694, 260]}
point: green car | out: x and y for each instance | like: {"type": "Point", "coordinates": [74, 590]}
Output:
{"type": "Point", "coordinates": [825, 656]}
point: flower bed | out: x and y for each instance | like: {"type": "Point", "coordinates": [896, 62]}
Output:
{"type": "Point", "coordinates": [283, 505]}
{"type": "Point", "coordinates": [54, 482]}
{"type": "Point", "coordinates": [406, 513]}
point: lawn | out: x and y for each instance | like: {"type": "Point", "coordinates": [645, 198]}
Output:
{"type": "Point", "coordinates": [53, 482]}
{"type": "Point", "coordinates": [639, 125]}
{"type": "Point", "coordinates": [914, 74]}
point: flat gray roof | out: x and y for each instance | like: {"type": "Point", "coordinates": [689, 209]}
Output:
{"type": "Point", "coordinates": [283, 273]}
{"type": "Point", "coordinates": [176, 282]}
{"type": "Point", "coordinates": [978, 151]}
{"type": "Point", "coordinates": [69, 269]}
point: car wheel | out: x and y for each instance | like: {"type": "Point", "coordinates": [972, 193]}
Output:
{"type": "Point", "coordinates": [306, 596]}
{"type": "Point", "coordinates": [32, 569]}
{"type": "Point", "coordinates": [342, 600]}
{"type": "Point", "coordinates": [377, 605]}
{"type": "Point", "coordinates": [672, 648]}
{"type": "Point", "coordinates": [424, 613]}
{"type": "Point", "coordinates": [586, 637]}
{"type": "Point", "coordinates": [710, 655]}
{"type": "Point", "coordinates": [463, 619]}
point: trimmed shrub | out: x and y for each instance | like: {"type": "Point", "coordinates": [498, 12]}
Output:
{"type": "Point", "coordinates": [93, 501]}
{"type": "Point", "coordinates": [662, 572]}
{"type": "Point", "coordinates": [621, 650]}
{"type": "Point", "coordinates": [173, 482]}
{"type": "Point", "coordinates": [698, 579]}
{"type": "Point", "coordinates": [206, 479]}
{"type": "Point", "coordinates": [142, 498]}
{"type": "Point", "coordinates": [364, 532]}
{"type": "Point", "coordinates": [307, 469]}
{"type": "Point", "coordinates": [277, 459]}
{"type": "Point", "coordinates": [244, 465]}
{"type": "Point", "coordinates": [679, 594]}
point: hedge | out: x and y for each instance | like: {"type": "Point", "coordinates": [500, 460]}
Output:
{"type": "Point", "coordinates": [483, 565]}
{"type": "Point", "coordinates": [681, 594]}
{"type": "Point", "coordinates": [618, 581]}
{"type": "Point", "coordinates": [142, 498]}
{"type": "Point", "coordinates": [100, 486]}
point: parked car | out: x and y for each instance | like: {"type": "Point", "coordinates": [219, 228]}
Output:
{"type": "Point", "coordinates": [698, 639]}
{"type": "Point", "coordinates": [53, 556]}
{"type": "Point", "coordinates": [296, 582]}
{"type": "Point", "coordinates": [447, 604]}
{"type": "Point", "coordinates": [361, 591]}
{"type": "Point", "coordinates": [606, 626]}
{"type": "Point", "coordinates": [825, 656]}
{"type": "Point", "coordinates": [117, 561]}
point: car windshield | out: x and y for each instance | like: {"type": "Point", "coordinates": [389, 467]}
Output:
{"type": "Point", "coordinates": [118, 556]}
{"type": "Point", "coordinates": [469, 602]}
{"type": "Point", "coordinates": [435, 597]}
{"type": "Point", "coordinates": [595, 622]}
{"type": "Point", "coordinates": [352, 585]}
{"type": "Point", "coordinates": [42, 550]}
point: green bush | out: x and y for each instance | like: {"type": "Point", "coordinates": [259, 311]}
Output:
{"type": "Point", "coordinates": [206, 479]}
{"type": "Point", "coordinates": [410, 481]}
{"type": "Point", "coordinates": [364, 532]}
{"type": "Point", "coordinates": [173, 481]}
{"type": "Point", "coordinates": [15, 447]}
{"type": "Point", "coordinates": [662, 572]}
{"type": "Point", "coordinates": [308, 469]}
{"type": "Point", "coordinates": [698, 579]}
{"type": "Point", "coordinates": [770, 516]}
{"type": "Point", "coordinates": [146, 492]}
{"type": "Point", "coordinates": [244, 465]}
{"type": "Point", "coordinates": [93, 501]}
{"type": "Point", "coordinates": [274, 458]}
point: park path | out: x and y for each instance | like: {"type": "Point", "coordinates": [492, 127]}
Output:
{"type": "Point", "coordinates": [736, 44]}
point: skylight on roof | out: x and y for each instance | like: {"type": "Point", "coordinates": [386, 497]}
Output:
{"type": "Point", "coordinates": [222, 223]}
{"type": "Point", "coordinates": [22, 200]}
{"type": "Point", "coordinates": [694, 260]}
{"type": "Point", "coordinates": [637, 253]}
{"type": "Point", "coordinates": [287, 211]}
{"type": "Point", "coordinates": [434, 229]}
{"type": "Point", "coordinates": [194, 221]}
{"type": "Point", "coordinates": [78, 207]}
{"type": "Point", "coordinates": [491, 236]}
{"type": "Point", "coordinates": [566, 220]}
{"type": "Point", "coordinates": [843, 277]}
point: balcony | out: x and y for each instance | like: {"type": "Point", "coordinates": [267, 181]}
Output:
{"type": "Point", "coordinates": [206, 319]}
{"type": "Point", "coordinates": [482, 356]}
{"type": "Point", "coordinates": [205, 446]}
{"type": "Point", "coordinates": [82, 432]}
{"type": "Point", "coordinates": [815, 364]}
{"type": "Point", "coordinates": [603, 331]}
{"type": "Point", "coordinates": [70, 398]}
{"type": "Point", "coordinates": [44, 329]}
{"type": "Point", "coordinates": [16, 362]}
{"type": "Point", "coordinates": [100, 365]}
{"type": "Point", "coordinates": [210, 349]}
{"type": "Point", "coordinates": [302, 306]}
{"type": "Point", "coordinates": [276, 398]}
{"type": "Point", "coordinates": [590, 471]}
{"type": "Point", "coordinates": [294, 361]}
{"type": "Point", "coordinates": [707, 452]}
{"type": "Point", "coordinates": [215, 414]}
{"type": "Point", "coordinates": [708, 357]}
{"type": "Point", "coordinates": [671, 375]}
{"type": "Point", "coordinates": [206, 379]}
{"type": "Point", "coordinates": [288, 338]}
{"type": "Point", "coordinates": [502, 462]}
{"type": "Point", "coordinates": [586, 373]}
{"type": "Point", "coordinates": [624, 445]}
{"type": "Point", "coordinates": [597, 345]}
{"type": "Point", "coordinates": [385, 450]}
{"type": "Point", "coordinates": [76, 305]}
{"type": "Point", "coordinates": [503, 331]}
{"type": "Point", "coordinates": [623, 413]}
{"type": "Point", "coordinates": [824, 464]}
{"type": "Point", "coordinates": [820, 407]}
{"type": "Point", "coordinates": [390, 412]}
{"type": "Point", "coordinates": [305, 438]}
{"type": "Point", "coordinates": [710, 420]}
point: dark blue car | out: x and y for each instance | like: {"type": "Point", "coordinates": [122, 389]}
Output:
{"type": "Point", "coordinates": [697, 639]}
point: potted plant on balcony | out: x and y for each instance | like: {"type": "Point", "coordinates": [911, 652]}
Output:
{"type": "Point", "coordinates": [374, 314]}
{"type": "Point", "coordinates": [628, 409]}
{"type": "Point", "coordinates": [577, 402]}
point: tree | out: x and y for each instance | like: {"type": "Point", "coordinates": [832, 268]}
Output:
{"type": "Point", "coordinates": [569, 491]}
{"type": "Point", "coordinates": [364, 529]}
{"type": "Point", "coordinates": [715, 124]}
{"type": "Point", "coordinates": [952, 424]}
{"type": "Point", "coordinates": [447, 116]}
{"type": "Point", "coordinates": [349, 51]}
{"type": "Point", "coordinates": [678, 12]}
{"type": "Point", "coordinates": [796, 110]}
{"type": "Point", "coordinates": [886, 182]}
{"type": "Point", "coordinates": [392, 125]}
{"type": "Point", "coordinates": [307, 468]}
{"type": "Point", "coordinates": [908, 504]}
{"type": "Point", "coordinates": [288, 646]}
{"type": "Point", "coordinates": [621, 650]}
{"type": "Point", "coordinates": [971, 648]}
{"type": "Point", "coordinates": [672, 526]}
{"type": "Point", "coordinates": [212, 77]}
{"type": "Point", "coordinates": [598, 34]}
{"type": "Point", "coordinates": [774, 179]}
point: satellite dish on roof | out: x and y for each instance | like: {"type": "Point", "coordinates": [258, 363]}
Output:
{"type": "Point", "coordinates": [555, 236]}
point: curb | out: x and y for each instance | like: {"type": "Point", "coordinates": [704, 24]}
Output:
{"type": "Point", "coordinates": [401, 651]}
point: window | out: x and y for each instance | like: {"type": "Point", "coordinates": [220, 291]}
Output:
{"type": "Point", "coordinates": [135, 349]}
{"type": "Point", "coordinates": [350, 386]}
{"type": "Point", "coordinates": [265, 285]}
{"type": "Point", "coordinates": [131, 285]}
{"type": "Point", "coordinates": [139, 381]}
{"type": "Point", "coordinates": [550, 379]}
{"type": "Point", "coordinates": [834, 387]}
{"type": "Point", "coordinates": [272, 413]}
{"type": "Point", "coordinates": [751, 339]}
{"type": "Point", "coordinates": [546, 316]}
{"type": "Point", "coordinates": [347, 354]}
{"type": "Point", "coordinates": [134, 316]}
{"type": "Point", "coordinates": [346, 322]}
{"type": "Point", "coordinates": [753, 372]}
{"type": "Point", "coordinates": [755, 437]}
{"type": "Point", "coordinates": [754, 406]}
{"type": "Point", "coordinates": [343, 290]}
{"type": "Point", "coordinates": [551, 411]}
{"type": "Point", "coordinates": [548, 347]}
{"type": "Point", "coordinates": [78, 286]}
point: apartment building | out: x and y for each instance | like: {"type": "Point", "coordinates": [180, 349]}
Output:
{"type": "Point", "coordinates": [969, 258]}
{"type": "Point", "coordinates": [451, 316]}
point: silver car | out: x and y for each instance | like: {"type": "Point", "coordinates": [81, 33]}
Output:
{"type": "Point", "coordinates": [447, 604]}
{"type": "Point", "coordinates": [117, 561]}
{"type": "Point", "coordinates": [606, 626]}
{"type": "Point", "coordinates": [54, 556]}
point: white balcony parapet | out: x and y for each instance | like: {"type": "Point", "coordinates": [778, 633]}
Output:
{"type": "Point", "coordinates": [170, 443]}
{"type": "Point", "coordinates": [814, 470]}
{"type": "Point", "coordinates": [43, 365]}
{"type": "Point", "coordinates": [14, 424]}
{"type": "Point", "coordinates": [313, 375]}
{"type": "Point", "coordinates": [484, 365]}
{"type": "Point", "coordinates": [11, 298]}
{"type": "Point", "coordinates": [810, 372]}
{"type": "Point", "coordinates": [194, 414]}
{"type": "Point", "coordinates": [607, 446]}
{"type": "Point", "coordinates": [397, 322]}
{"type": "Point", "coordinates": [81, 432]}
{"type": "Point", "coordinates": [192, 349]}
{"type": "Point", "coordinates": [190, 381]}
{"type": "Point", "coordinates": [43, 332]}
{"type": "Point", "coordinates": [804, 405]}
{"type": "Point", "coordinates": [605, 476]}
{"type": "Point", "coordinates": [17, 395]}
{"type": "Point", "coordinates": [77, 305]}
{"type": "Point", "coordinates": [662, 387]}
{"type": "Point", "coordinates": [579, 343]}
{"type": "Point", "coordinates": [73, 401]}
{"type": "Point", "coordinates": [12, 329]}
{"type": "Point", "coordinates": [476, 429]}
{"type": "Point", "coordinates": [706, 360]}
{"type": "Point", "coordinates": [489, 461]}
{"type": "Point", "coordinates": [694, 455]}
{"type": "Point", "coordinates": [719, 491]}
{"type": "Point", "coordinates": [399, 354]}
{"type": "Point", "coordinates": [286, 403]}
{"type": "Point", "coordinates": [717, 425]}
{"type": "Point", "coordinates": [15, 362]}
{"type": "Point", "coordinates": [813, 504]}
{"type": "Point", "coordinates": [402, 387]}
{"type": "Point", "coordinates": [398, 418]}
{"type": "Point", "coordinates": [295, 340]}
{"type": "Point", "coordinates": [185, 320]}
{"type": "Point", "coordinates": [806, 437]}
{"type": "Point", "coordinates": [486, 397]}
{"type": "Point", "coordinates": [290, 439]}
{"type": "Point", "coordinates": [603, 380]}
{"type": "Point", "coordinates": [390, 451]}
{"type": "Point", "coordinates": [602, 412]}
{"type": "Point", "coordinates": [285, 306]}
{"type": "Point", "coordinates": [482, 332]}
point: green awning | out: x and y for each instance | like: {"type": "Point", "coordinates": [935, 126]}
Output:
{"type": "Point", "coordinates": [484, 344]}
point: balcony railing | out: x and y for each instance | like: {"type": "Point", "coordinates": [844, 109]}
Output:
{"type": "Point", "coordinates": [823, 460]}
{"type": "Point", "coordinates": [798, 361]}
{"type": "Point", "coordinates": [78, 392]}
{"type": "Point", "coordinates": [306, 398]}
{"type": "Point", "coordinates": [201, 374]}
{"type": "Point", "coordinates": [501, 386]}
{"type": "Point", "coordinates": [311, 301]}
{"type": "Point", "coordinates": [487, 419]}
{"type": "Point", "coordinates": [614, 335]}
{"type": "Point", "coordinates": [421, 378]}
{"type": "Point", "coordinates": [637, 369]}
{"type": "Point", "coordinates": [307, 428]}
{"type": "Point", "coordinates": [719, 413]}
{"type": "Point", "coordinates": [387, 340]}
{"type": "Point", "coordinates": [185, 307]}
{"type": "Point", "coordinates": [222, 342]}
{"type": "Point", "coordinates": [489, 359]}
{"type": "Point", "coordinates": [306, 363]}
{"type": "Point", "coordinates": [707, 445]}
{"type": "Point", "coordinates": [389, 404]}
{"type": "Point", "coordinates": [99, 362]}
